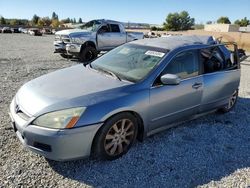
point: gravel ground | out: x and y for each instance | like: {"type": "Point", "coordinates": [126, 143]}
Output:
{"type": "Point", "coordinates": [213, 151]}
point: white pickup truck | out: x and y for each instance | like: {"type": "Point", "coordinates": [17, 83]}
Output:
{"type": "Point", "coordinates": [97, 35]}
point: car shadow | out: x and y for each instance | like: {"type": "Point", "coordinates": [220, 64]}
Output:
{"type": "Point", "coordinates": [194, 153]}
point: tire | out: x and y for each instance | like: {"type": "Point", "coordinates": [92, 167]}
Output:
{"type": "Point", "coordinates": [116, 136]}
{"type": "Point", "coordinates": [66, 56]}
{"type": "Point", "coordinates": [87, 54]}
{"type": "Point", "coordinates": [231, 103]}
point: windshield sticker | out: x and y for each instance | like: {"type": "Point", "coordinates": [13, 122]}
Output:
{"type": "Point", "coordinates": [124, 51]}
{"type": "Point", "coordinates": [155, 53]}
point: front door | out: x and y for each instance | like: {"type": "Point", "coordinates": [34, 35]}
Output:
{"type": "Point", "coordinates": [173, 103]}
{"type": "Point", "coordinates": [104, 38]}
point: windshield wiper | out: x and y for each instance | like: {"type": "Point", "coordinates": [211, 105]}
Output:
{"type": "Point", "coordinates": [105, 71]}
{"type": "Point", "coordinates": [111, 73]}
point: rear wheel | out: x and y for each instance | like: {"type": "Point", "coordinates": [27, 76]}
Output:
{"type": "Point", "coordinates": [231, 103]}
{"type": "Point", "coordinates": [116, 136]}
{"type": "Point", "coordinates": [87, 54]}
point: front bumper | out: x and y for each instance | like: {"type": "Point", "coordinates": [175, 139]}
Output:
{"type": "Point", "coordinates": [60, 47]}
{"type": "Point", "coordinates": [58, 145]}
{"type": "Point", "coordinates": [73, 49]}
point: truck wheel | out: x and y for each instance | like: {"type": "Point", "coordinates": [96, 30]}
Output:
{"type": "Point", "coordinates": [116, 136]}
{"type": "Point", "coordinates": [87, 54]}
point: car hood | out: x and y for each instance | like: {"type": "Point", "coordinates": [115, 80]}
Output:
{"type": "Point", "coordinates": [72, 32]}
{"type": "Point", "coordinates": [65, 88]}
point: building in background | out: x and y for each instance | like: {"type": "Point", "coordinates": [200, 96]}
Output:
{"type": "Point", "coordinates": [245, 29]}
{"type": "Point", "coordinates": [222, 28]}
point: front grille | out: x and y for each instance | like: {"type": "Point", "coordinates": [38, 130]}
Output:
{"type": "Point", "coordinates": [20, 112]}
{"type": "Point", "coordinates": [62, 38]}
{"type": "Point", "coordinates": [23, 115]}
{"type": "Point", "coordinates": [65, 38]}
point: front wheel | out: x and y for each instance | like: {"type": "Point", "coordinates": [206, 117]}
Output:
{"type": "Point", "coordinates": [231, 103]}
{"type": "Point", "coordinates": [87, 54]}
{"type": "Point", "coordinates": [116, 136]}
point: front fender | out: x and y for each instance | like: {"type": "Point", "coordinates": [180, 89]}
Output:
{"type": "Point", "coordinates": [136, 102]}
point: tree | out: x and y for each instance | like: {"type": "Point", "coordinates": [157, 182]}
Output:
{"type": "Point", "coordinates": [2, 20]}
{"type": "Point", "coordinates": [153, 28]}
{"type": "Point", "coordinates": [186, 21]}
{"type": "Point", "coordinates": [35, 19]}
{"type": "Point", "coordinates": [178, 21]}
{"type": "Point", "coordinates": [40, 23]}
{"type": "Point", "coordinates": [55, 23]}
{"type": "Point", "coordinates": [80, 20]}
{"type": "Point", "coordinates": [223, 20]}
{"type": "Point", "coordinates": [47, 21]}
{"type": "Point", "coordinates": [54, 16]}
{"type": "Point", "coordinates": [66, 20]}
{"type": "Point", "coordinates": [13, 22]}
{"type": "Point", "coordinates": [74, 21]}
{"type": "Point", "coordinates": [243, 22]}
{"type": "Point", "coordinates": [209, 22]}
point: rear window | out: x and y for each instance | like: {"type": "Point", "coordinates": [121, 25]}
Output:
{"type": "Point", "coordinates": [115, 28]}
{"type": "Point", "coordinates": [217, 58]}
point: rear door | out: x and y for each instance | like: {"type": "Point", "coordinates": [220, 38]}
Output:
{"type": "Point", "coordinates": [118, 36]}
{"type": "Point", "coordinates": [221, 78]}
{"type": "Point", "coordinates": [173, 103]}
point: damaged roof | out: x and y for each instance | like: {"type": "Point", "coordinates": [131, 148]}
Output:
{"type": "Point", "coordinates": [173, 42]}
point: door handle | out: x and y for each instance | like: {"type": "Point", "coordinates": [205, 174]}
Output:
{"type": "Point", "coordinates": [196, 85]}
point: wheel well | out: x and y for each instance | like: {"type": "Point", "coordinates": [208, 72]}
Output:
{"type": "Point", "coordinates": [140, 134]}
{"type": "Point", "coordinates": [88, 43]}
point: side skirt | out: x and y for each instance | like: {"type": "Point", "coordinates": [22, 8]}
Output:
{"type": "Point", "coordinates": [160, 129]}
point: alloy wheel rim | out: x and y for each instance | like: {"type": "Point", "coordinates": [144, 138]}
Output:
{"type": "Point", "coordinates": [232, 100]}
{"type": "Point", "coordinates": [89, 55]}
{"type": "Point", "coordinates": [119, 137]}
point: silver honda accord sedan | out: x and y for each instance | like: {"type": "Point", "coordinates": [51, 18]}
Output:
{"type": "Point", "coordinates": [131, 92]}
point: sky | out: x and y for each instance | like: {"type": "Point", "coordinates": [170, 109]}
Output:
{"type": "Point", "coordinates": [143, 11]}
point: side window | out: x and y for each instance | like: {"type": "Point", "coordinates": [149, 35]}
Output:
{"type": "Point", "coordinates": [218, 58]}
{"type": "Point", "coordinates": [185, 65]}
{"type": "Point", "coordinates": [104, 29]}
{"type": "Point", "coordinates": [115, 28]}
{"type": "Point", "coordinates": [213, 60]}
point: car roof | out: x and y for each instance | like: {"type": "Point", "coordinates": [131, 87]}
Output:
{"type": "Point", "coordinates": [173, 42]}
{"type": "Point", "coordinates": [107, 21]}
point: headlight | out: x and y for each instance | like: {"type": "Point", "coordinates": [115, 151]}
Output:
{"type": "Point", "coordinates": [60, 119]}
{"type": "Point", "coordinates": [78, 40]}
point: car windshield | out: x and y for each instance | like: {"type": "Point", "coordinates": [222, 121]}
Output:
{"type": "Point", "coordinates": [129, 62]}
{"type": "Point", "coordinates": [91, 26]}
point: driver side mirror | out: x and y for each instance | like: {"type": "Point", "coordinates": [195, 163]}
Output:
{"type": "Point", "coordinates": [170, 79]}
